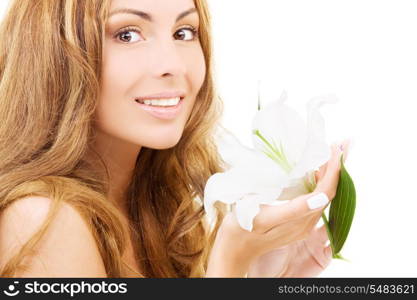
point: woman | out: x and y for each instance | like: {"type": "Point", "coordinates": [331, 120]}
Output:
{"type": "Point", "coordinates": [97, 179]}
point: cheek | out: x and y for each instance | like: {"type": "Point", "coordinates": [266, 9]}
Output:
{"type": "Point", "coordinates": [117, 77]}
{"type": "Point", "coordinates": [197, 69]}
{"type": "Point", "coordinates": [196, 73]}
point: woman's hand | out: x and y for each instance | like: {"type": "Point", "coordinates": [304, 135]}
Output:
{"type": "Point", "coordinates": [236, 249]}
{"type": "Point", "coordinates": [305, 258]}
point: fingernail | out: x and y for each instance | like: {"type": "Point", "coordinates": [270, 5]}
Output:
{"type": "Point", "coordinates": [317, 201]}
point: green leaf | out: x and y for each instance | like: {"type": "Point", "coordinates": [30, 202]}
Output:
{"type": "Point", "coordinates": [342, 210]}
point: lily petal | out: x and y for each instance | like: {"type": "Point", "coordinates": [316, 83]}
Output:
{"type": "Point", "coordinates": [231, 150]}
{"type": "Point", "coordinates": [315, 120]}
{"type": "Point", "coordinates": [257, 177]}
{"type": "Point", "coordinates": [298, 187]}
{"type": "Point", "coordinates": [246, 209]}
{"type": "Point", "coordinates": [316, 152]}
{"type": "Point", "coordinates": [282, 126]}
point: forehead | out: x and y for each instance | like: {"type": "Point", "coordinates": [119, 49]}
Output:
{"type": "Point", "coordinates": [156, 8]}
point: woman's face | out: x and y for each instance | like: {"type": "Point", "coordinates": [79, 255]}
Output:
{"type": "Point", "coordinates": [145, 56]}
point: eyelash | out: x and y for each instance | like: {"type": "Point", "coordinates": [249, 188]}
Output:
{"type": "Point", "coordinates": [130, 28]}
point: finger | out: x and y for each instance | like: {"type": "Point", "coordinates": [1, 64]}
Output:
{"type": "Point", "coordinates": [327, 256]}
{"type": "Point", "coordinates": [302, 206]}
{"type": "Point", "coordinates": [328, 253]}
{"type": "Point", "coordinates": [324, 256]}
{"type": "Point", "coordinates": [322, 235]}
{"type": "Point", "coordinates": [328, 184]}
{"type": "Point", "coordinates": [320, 172]}
{"type": "Point", "coordinates": [334, 161]}
{"type": "Point", "coordinates": [345, 147]}
{"type": "Point", "coordinates": [310, 229]}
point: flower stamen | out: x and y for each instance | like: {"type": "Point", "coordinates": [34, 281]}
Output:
{"type": "Point", "coordinates": [275, 153]}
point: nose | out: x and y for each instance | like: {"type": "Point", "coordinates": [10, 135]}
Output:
{"type": "Point", "coordinates": [166, 59]}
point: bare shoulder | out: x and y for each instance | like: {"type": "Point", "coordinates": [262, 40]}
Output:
{"type": "Point", "coordinates": [67, 249]}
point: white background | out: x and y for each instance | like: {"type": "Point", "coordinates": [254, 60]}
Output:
{"type": "Point", "coordinates": [366, 53]}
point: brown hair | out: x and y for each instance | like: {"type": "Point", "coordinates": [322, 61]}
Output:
{"type": "Point", "coordinates": [50, 68]}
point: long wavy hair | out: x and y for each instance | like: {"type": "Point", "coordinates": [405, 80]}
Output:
{"type": "Point", "coordinates": [50, 68]}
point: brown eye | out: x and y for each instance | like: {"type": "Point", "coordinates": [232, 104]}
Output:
{"type": "Point", "coordinates": [128, 35]}
{"type": "Point", "coordinates": [189, 29]}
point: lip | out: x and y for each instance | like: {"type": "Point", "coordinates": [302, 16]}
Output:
{"type": "Point", "coordinates": [163, 95]}
{"type": "Point", "coordinates": [164, 113]}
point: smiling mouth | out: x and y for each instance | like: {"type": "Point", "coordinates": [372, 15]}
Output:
{"type": "Point", "coordinates": [167, 102]}
{"type": "Point", "coordinates": [164, 110]}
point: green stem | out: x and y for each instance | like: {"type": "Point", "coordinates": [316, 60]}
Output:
{"type": "Point", "coordinates": [329, 233]}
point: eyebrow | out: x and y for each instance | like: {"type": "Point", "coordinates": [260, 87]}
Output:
{"type": "Point", "coordinates": [147, 16]}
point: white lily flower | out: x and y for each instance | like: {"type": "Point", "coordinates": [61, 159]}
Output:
{"type": "Point", "coordinates": [252, 178]}
{"type": "Point", "coordinates": [302, 145]}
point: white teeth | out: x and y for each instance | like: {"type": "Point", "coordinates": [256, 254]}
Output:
{"type": "Point", "coordinates": [162, 102]}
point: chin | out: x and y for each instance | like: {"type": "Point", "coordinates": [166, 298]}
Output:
{"type": "Point", "coordinates": [162, 146]}
{"type": "Point", "coordinates": [164, 137]}
{"type": "Point", "coordinates": [162, 143]}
